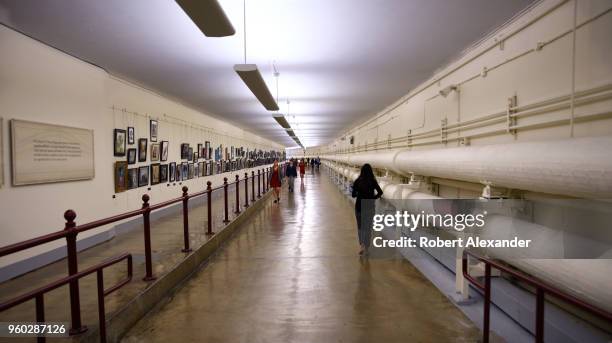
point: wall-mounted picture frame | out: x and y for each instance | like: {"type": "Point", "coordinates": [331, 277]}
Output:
{"type": "Point", "coordinates": [119, 142]}
{"type": "Point", "coordinates": [143, 176]}
{"type": "Point", "coordinates": [142, 149]}
{"type": "Point", "coordinates": [190, 171]}
{"type": "Point", "coordinates": [190, 154]}
{"type": "Point", "coordinates": [164, 151]}
{"type": "Point", "coordinates": [132, 178]}
{"type": "Point", "coordinates": [172, 172]}
{"type": "Point", "coordinates": [121, 177]}
{"type": "Point", "coordinates": [184, 171]}
{"type": "Point", "coordinates": [196, 170]}
{"type": "Point", "coordinates": [200, 149]}
{"type": "Point", "coordinates": [131, 156]}
{"type": "Point", "coordinates": [131, 139]}
{"type": "Point", "coordinates": [153, 129]}
{"type": "Point", "coordinates": [196, 157]}
{"type": "Point", "coordinates": [154, 153]}
{"type": "Point", "coordinates": [184, 151]}
{"type": "Point", "coordinates": [163, 173]}
{"type": "Point", "coordinates": [202, 169]}
{"type": "Point", "coordinates": [207, 150]}
{"type": "Point", "coordinates": [155, 173]}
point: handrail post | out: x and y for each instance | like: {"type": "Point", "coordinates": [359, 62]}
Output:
{"type": "Point", "coordinates": [209, 205]}
{"type": "Point", "coordinates": [487, 303]}
{"type": "Point", "coordinates": [539, 324]}
{"type": "Point", "coordinates": [147, 238]}
{"type": "Point", "coordinates": [101, 310]}
{"type": "Point", "coordinates": [237, 194]}
{"type": "Point", "coordinates": [186, 220]}
{"type": "Point", "coordinates": [252, 185]}
{"type": "Point", "coordinates": [267, 180]}
{"type": "Point", "coordinates": [246, 189]}
{"type": "Point", "coordinates": [259, 183]}
{"type": "Point", "coordinates": [71, 252]}
{"type": "Point", "coordinates": [226, 220]}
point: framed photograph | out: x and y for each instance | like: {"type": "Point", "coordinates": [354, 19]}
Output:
{"type": "Point", "coordinates": [172, 172]}
{"type": "Point", "coordinates": [153, 127]}
{"type": "Point", "coordinates": [154, 153]}
{"type": "Point", "coordinates": [207, 150]}
{"type": "Point", "coordinates": [201, 169]}
{"type": "Point", "coordinates": [121, 179]}
{"type": "Point", "coordinates": [155, 173]}
{"type": "Point", "coordinates": [142, 150]}
{"type": "Point", "coordinates": [143, 176]}
{"type": "Point", "coordinates": [164, 150]}
{"type": "Point", "coordinates": [190, 154]}
{"type": "Point", "coordinates": [196, 170]}
{"type": "Point", "coordinates": [190, 171]}
{"type": "Point", "coordinates": [163, 173]}
{"type": "Point", "coordinates": [131, 156]}
{"type": "Point", "coordinates": [184, 151]}
{"type": "Point", "coordinates": [132, 178]}
{"type": "Point", "coordinates": [119, 142]}
{"type": "Point", "coordinates": [200, 149]}
{"type": "Point", "coordinates": [184, 171]}
{"type": "Point", "coordinates": [130, 134]}
{"type": "Point", "coordinates": [196, 156]}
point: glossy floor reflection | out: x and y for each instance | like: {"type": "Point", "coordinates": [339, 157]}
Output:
{"type": "Point", "coordinates": [292, 274]}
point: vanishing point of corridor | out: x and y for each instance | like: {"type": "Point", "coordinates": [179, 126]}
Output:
{"type": "Point", "coordinates": [292, 274]}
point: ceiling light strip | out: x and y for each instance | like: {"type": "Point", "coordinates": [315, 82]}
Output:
{"type": "Point", "coordinates": [208, 16]}
{"type": "Point", "coordinates": [251, 76]}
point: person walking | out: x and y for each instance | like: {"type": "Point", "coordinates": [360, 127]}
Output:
{"type": "Point", "coordinates": [276, 180]}
{"type": "Point", "coordinates": [366, 190]}
{"type": "Point", "coordinates": [291, 173]}
{"type": "Point", "coordinates": [302, 169]}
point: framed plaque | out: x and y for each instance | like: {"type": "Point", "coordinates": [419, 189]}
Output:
{"type": "Point", "coordinates": [45, 153]}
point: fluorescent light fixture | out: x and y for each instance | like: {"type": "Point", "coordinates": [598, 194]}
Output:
{"type": "Point", "coordinates": [282, 121]}
{"type": "Point", "coordinates": [251, 76]}
{"type": "Point", "coordinates": [208, 17]}
{"type": "Point", "coordinates": [291, 133]}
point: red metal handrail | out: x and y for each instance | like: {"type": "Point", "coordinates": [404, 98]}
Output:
{"type": "Point", "coordinates": [71, 230]}
{"type": "Point", "coordinates": [38, 294]}
{"type": "Point", "coordinates": [540, 286]}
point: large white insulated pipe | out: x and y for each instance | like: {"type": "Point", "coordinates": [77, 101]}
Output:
{"type": "Point", "coordinates": [580, 167]}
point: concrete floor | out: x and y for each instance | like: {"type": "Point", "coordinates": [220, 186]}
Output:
{"type": "Point", "coordinates": [292, 274]}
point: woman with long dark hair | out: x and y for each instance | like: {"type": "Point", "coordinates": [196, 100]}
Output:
{"type": "Point", "coordinates": [366, 190]}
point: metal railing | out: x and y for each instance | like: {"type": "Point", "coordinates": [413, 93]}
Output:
{"type": "Point", "coordinates": [71, 230]}
{"type": "Point", "coordinates": [541, 289]}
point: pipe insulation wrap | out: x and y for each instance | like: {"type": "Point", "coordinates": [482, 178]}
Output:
{"type": "Point", "coordinates": [580, 167]}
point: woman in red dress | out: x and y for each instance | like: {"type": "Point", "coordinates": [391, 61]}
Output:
{"type": "Point", "coordinates": [302, 166]}
{"type": "Point", "coordinates": [276, 179]}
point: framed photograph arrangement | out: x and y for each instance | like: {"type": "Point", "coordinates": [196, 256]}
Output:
{"type": "Point", "coordinates": [164, 150]}
{"type": "Point", "coordinates": [163, 173]}
{"type": "Point", "coordinates": [154, 153]}
{"type": "Point", "coordinates": [153, 128]}
{"type": "Point", "coordinates": [131, 156]}
{"type": "Point", "coordinates": [142, 150]}
{"type": "Point", "coordinates": [132, 178]}
{"type": "Point", "coordinates": [143, 176]}
{"type": "Point", "coordinates": [130, 135]}
{"type": "Point", "coordinates": [121, 177]}
{"type": "Point", "coordinates": [172, 172]}
{"type": "Point", "coordinates": [155, 174]}
{"type": "Point", "coordinates": [119, 142]}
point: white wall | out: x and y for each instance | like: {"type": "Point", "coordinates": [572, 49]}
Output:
{"type": "Point", "coordinates": [42, 84]}
{"type": "Point", "coordinates": [515, 67]}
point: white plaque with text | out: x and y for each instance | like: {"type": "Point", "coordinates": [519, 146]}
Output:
{"type": "Point", "coordinates": [43, 153]}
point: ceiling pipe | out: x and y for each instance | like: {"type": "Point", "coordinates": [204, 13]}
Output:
{"type": "Point", "coordinates": [208, 16]}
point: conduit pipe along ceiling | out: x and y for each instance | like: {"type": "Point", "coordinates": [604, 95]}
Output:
{"type": "Point", "coordinates": [208, 16]}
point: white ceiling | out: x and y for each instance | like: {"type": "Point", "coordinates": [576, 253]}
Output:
{"type": "Point", "coordinates": [340, 61]}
